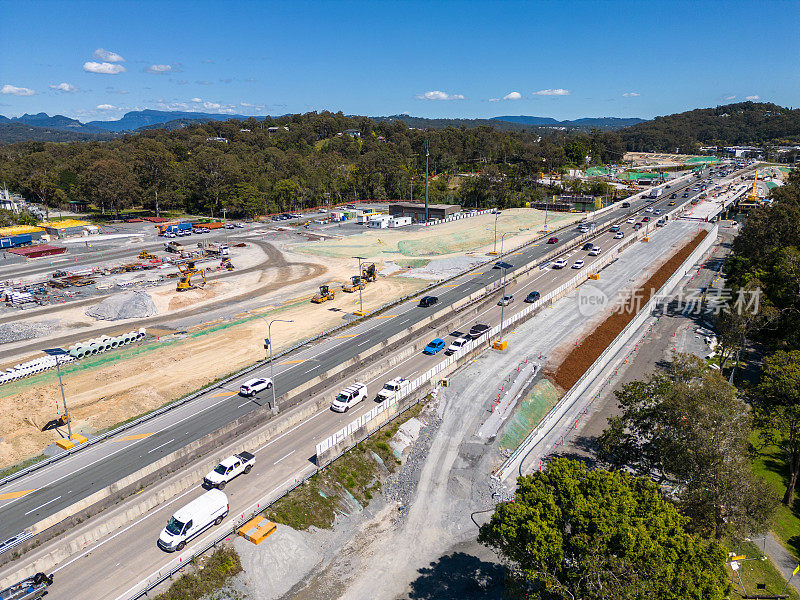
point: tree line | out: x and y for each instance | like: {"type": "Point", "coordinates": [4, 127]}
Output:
{"type": "Point", "coordinates": [246, 168]}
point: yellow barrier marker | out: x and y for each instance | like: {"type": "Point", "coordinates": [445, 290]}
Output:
{"type": "Point", "coordinates": [257, 530]}
{"type": "Point", "coordinates": [79, 438]}
{"type": "Point", "coordinates": [339, 337]}
{"type": "Point", "coordinates": [221, 395]}
{"type": "Point", "coordinates": [359, 313]}
{"type": "Point", "coordinates": [450, 285]}
{"type": "Point", "coordinates": [135, 436]}
{"type": "Point", "coordinates": [12, 495]}
{"type": "Point", "coordinates": [594, 276]}
{"type": "Point", "coordinates": [500, 345]}
{"type": "Point", "coordinates": [65, 444]}
{"type": "Point", "coordinates": [291, 362]}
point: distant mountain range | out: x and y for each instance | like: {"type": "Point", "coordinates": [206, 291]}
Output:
{"type": "Point", "coordinates": [588, 122]}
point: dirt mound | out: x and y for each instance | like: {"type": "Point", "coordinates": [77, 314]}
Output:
{"type": "Point", "coordinates": [127, 305]}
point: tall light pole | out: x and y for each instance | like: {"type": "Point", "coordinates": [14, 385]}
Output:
{"type": "Point", "coordinates": [427, 154]}
{"type": "Point", "coordinates": [360, 281]}
{"type": "Point", "coordinates": [494, 247]}
{"type": "Point", "coordinates": [503, 304]}
{"type": "Point", "coordinates": [268, 344]}
{"type": "Point", "coordinates": [58, 353]}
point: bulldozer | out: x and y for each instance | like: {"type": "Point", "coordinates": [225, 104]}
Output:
{"type": "Point", "coordinates": [368, 272]}
{"type": "Point", "coordinates": [356, 283]}
{"type": "Point", "coordinates": [188, 271]}
{"type": "Point", "coordinates": [324, 294]}
{"type": "Point", "coordinates": [145, 255]}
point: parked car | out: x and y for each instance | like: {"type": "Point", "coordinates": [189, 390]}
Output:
{"type": "Point", "coordinates": [457, 345]}
{"type": "Point", "coordinates": [239, 225]}
{"type": "Point", "coordinates": [619, 235]}
{"type": "Point", "coordinates": [201, 513]}
{"type": "Point", "coordinates": [648, 209]}
{"type": "Point", "coordinates": [552, 240]}
{"type": "Point", "coordinates": [477, 330]}
{"type": "Point", "coordinates": [251, 387]}
{"type": "Point", "coordinates": [686, 195]}
{"type": "Point", "coordinates": [673, 195]}
{"type": "Point", "coordinates": [560, 263]}
{"type": "Point", "coordinates": [587, 246]}
{"type": "Point", "coordinates": [657, 211]}
{"type": "Point", "coordinates": [505, 300]}
{"type": "Point", "coordinates": [532, 297]}
{"type": "Point", "coordinates": [228, 469]}
{"type": "Point", "coordinates": [426, 301]}
{"type": "Point", "coordinates": [578, 264]}
{"type": "Point", "coordinates": [595, 251]}
{"type": "Point", "coordinates": [434, 346]}
{"type": "Point", "coordinates": [349, 397]}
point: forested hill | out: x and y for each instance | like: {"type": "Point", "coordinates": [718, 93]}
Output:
{"type": "Point", "coordinates": [733, 124]}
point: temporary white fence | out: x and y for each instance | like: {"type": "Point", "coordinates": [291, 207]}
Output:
{"type": "Point", "coordinates": [551, 419]}
{"type": "Point", "coordinates": [459, 216]}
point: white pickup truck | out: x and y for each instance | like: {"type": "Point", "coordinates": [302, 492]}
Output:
{"type": "Point", "coordinates": [228, 469]}
{"type": "Point", "coordinates": [391, 388]}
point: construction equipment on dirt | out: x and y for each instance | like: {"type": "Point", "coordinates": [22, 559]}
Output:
{"type": "Point", "coordinates": [226, 263]}
{"type": "Point", "coordinates": [174, 247]}
{"type": "Point", "coordinates": [325, 293]}
{"type": "Point", "coordinates": [145, 255]}
{"type": "Point", "coordinates": [753, 195]}
{"type": "Point", "coordinates": [369, 272]}
{"type": "Point", "coordinates": [356, 283]}
{"type": "Point", "coordinates": [188, 271]}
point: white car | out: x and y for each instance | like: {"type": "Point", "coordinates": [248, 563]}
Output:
{"type": "Point", "coordinates": [578, 264]}
{"type": "Point", "coordinates": [349, 397]}
{"type": "Point", "coordinates": [391, 388]}
{"type": "Point", "coordinates": [506, 300]}
{"type": "Point", "coordinates": [619, 235]}
{"type": "Point", "coordinates": [595, 251]}
{"type": "Point", "coordinates": [252, 386]}
{"type": "Point", "coordinates": [648, 209]}
{"type": "Point", "coordinates": [456, 346]}
{"type": "Point", "coordinates": [631, 220]}
{"type": "Point", "coordinates": [560, 263]}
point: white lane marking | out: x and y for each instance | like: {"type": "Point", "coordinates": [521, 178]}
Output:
{"type": "Point", "coordinates": [280, 459]}
{"type": "Point", "coordinates": [161, 446]}
{"type": "Point", "coordinates": [362, 343]}
{"type": "Point", "coordinates": [240, 406]}
{"type": "Point", "coordinates": [41, 505]}
{"type": "Point", "coordinates": [285, 433]}
{"type": "Point", "coordinates": [134, 524]}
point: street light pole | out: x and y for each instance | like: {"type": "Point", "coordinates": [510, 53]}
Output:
{"type": "Point", "coordinates": [496, 214]}
{"type": "Point", "coordinates": [503, 305]}
{"type": "Point", "coordinates": [58, 352]}
{"type": "Point", "coordinates": [360, 275]}
{"type": "Point", "coordinates": [427, 177]}
{"type": "Point", "coordinates": [271, 371]}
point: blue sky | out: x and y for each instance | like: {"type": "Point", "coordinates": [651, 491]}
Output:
{"type": "Point", "coordinates": [96, 60]}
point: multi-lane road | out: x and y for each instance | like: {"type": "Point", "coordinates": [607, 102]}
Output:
{"type": "Point", "coordinates": [37, 495]}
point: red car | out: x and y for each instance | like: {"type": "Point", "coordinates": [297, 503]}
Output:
{"type": "Point", "coordinates": [646, 220]}
{"type": "Point", "coordinates": [552, 240]}
{"type": "Point", "coordinates": [637, 226]}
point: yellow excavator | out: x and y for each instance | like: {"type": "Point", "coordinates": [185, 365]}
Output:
{"type": "Point", "coordinates": [145, 255]}
{"type": "Point", "coordinates": [324, 294]}
{"type": "Point", "coordinates": [753, 196]}
{"type": "Point", "coordinates": [226, 263]}
{"type": "Point", "coordinates": [188, 271]}
{"type": "Point", "coordinates": [356, 283]}
{"type": "Point", "coordinates": [368, 272]}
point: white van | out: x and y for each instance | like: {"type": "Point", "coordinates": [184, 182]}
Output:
{"type": "Point", "coordinates": [194, 518]}
{"type": "Point", "coordinates": [252, 386]}
{"type": "Point", "coordinates": [349, 397]}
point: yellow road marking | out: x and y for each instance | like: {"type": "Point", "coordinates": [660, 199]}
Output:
{"type": "Point", "coordinates": [136, 436]}
{"type": "Point", "coordinates": [291, 362]}
{"type": "Point", "coordinates": [221, 395]}
{"type": "Point", "coordinates": [386, 317]}
{"type": "Point", "coordinates": [516, 253]}
{"type": "Point", "coordinates": [19, 494]}
{"type": "Point", "coordinates": [450, 285]}
{"type": "Point", "coordinates": [339, 337]}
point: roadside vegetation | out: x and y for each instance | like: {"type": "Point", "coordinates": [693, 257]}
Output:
{"type": "Point", "coordinates": [354, 477]}
{"type": "Point", "coordinates": [211, 575]}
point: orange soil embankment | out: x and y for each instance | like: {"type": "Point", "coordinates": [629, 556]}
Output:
{"type": "Point", "coordinates": [587, 351]}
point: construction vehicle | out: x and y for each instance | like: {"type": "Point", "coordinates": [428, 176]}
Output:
{"type": "Point", "coordinates": [324, 294]}
{"type": "Point", "coordinates": [188, 271]}
{"type": "Point", "coordinates": [31, 588]}
{"type": "Point", "coordinates": [356, 283]}
{"type": "Point", "coordinates": [174, 247]}
{"type": "Point", "coordinates": [753, 196]}
{"type": "Point", "coordinates": [145, 255]}
{"type": "Point", "coordinates": [369, 272]}
{"type": "Point", "coordinates": [226, 263]}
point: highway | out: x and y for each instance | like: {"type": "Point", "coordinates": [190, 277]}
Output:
{"type": "Point", "coordinates": [33, 497]}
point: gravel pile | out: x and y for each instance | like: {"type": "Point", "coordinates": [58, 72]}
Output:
{"type": "Point", "coordinates": [127, 305]}
{"type": "Point", "coordinates": [401, 485]}
{"type": "Point", "coordinates": [444, 267]}
{"type": "Point", "coordinates": [15, 332]}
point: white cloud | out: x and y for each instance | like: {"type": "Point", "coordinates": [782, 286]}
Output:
{"type": "Point", "coordinates": [437, 95]}
{"type": "Point", "coordinates": [159, 69]}
{"type": "Point", "coordinates": [196, 100]}
{"type": "Point", "coordinates": [552, 92]}
{"type": "Point", "coordinates": [103, 68]}
{"type": "Point", "coordinates": [16, 91]}
{"type": "Point", "coordinates": [512, 96]}
{"type": "Point", "coordinates": [107, 55]}
{"type": "Point", "coordinates": [730, 97]}
{"type": "Point", "coordinates": [211, 105]}
{"type": "Point", "coordinates": [106, 107]}
{"type": "Point", "coordinates": [753, 97]}
{"type": "Point", "coordinates": [64, 87]}
{"type": "Point", "coordinates": [631, 95]}
{"type": "Point", "coordinates": [203, 82]}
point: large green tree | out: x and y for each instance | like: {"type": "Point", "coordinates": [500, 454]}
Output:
{"type": "Point", "coordinates": [575, 533]}
{"type": "Point", "coordinates": [689, 428]}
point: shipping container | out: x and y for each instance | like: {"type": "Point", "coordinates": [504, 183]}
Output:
{"type": "Point", "coordinates": [15, 241]}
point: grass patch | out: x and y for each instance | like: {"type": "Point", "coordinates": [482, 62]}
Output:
{"type": "Point", "coordinates": [768, 464]}
{"type": "Point", "coordinates": [357, 476]}
{"type": "Point", "coordinates": [210, 577]}
{"type": "Point", "coordinates": [21, 465]}
{"type": "Point", "coordinates": [755, 572]}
